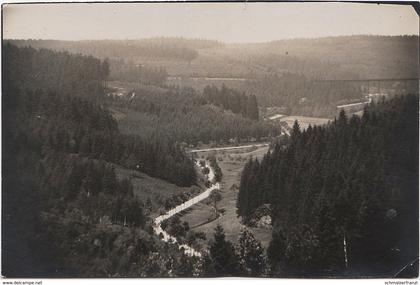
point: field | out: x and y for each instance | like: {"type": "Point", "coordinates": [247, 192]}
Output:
{"type": "Point", "coordinates": [231, 162]}
{"type": "Point", "coordinates": [157, 190]}
{"type": "Point", "coordinates": [303, 121]}
{"type": "Point", "coordinates": [122, 88]}
{"type": "Point", "coordinates": [198, 83]}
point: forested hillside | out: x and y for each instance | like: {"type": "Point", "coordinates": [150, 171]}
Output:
{"type": "Point", "coordinates": [301, 95]}
{"type": "Point", "coordinates": [65, 120]}
{"type": "Point", "coordinates": [85, 123]}
{"type": "Point", "coordinates": [154, 48]}
{"type": "Point", "coordinates": [132, 72]}
{"type": "Point", "coordinates": [346, 57]}
{"type": "Point", "coordinates": [279, 73]}
{"type": "Point", "coordinates": [342, 57]}
{"type": "Point", "coordinates": [231, 99]}
{"type": "Point", "coordinates": [184, 115]}
{"type": "Point", "coordinates": [344, 197]}
{"type": "Point", "coordinates": [75, 75]}
{"type": "Point", "coordinates": [65, 213]}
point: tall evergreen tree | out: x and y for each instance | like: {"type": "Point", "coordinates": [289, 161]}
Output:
{"type": "Point", "coordinates": [330, 189]}
{"type": "Point", "coordinates": [222, 260]}
{"type": "Point", "coordinates": [251, 254]}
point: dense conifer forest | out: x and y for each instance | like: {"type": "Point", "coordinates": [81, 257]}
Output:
{"type": "Point", "coordinates": [65, 212]}
{"type": "Point", "coordinates": [61, 72]}
{"type": "Point", "coordinates": [301, 95]}
{"type": "Point", "coordinates": [59, 187]}
{"type": "Point", "coordinates": [132, 72]}
{"type": "Point", "coordinates": [76, 122]}
{"type": "Point", "coordinates": [172, 49]}
{"type": "Point", "coordinates": [285, 73]}
{"type": "Point", "coordinates": [231, 99]}
{"type": "Point", "coordinates": [342, 57]}
{"type": "Point", "coordinates": [79, 154]}
{"type": "Point", "coordinates": [344, 197]}
{"type": "Point", "coordinates": [185, 115]}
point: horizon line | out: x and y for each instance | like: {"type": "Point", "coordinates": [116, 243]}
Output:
{"type": "Point", "coordinates": [209, 39]}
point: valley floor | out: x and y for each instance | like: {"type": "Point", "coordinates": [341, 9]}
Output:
{"type": "Point", "coordinates": [202, 217]}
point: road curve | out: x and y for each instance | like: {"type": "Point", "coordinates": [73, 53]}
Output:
{"type": "Point", "coordinates": [227, 148]}
{"type": "Point", "coordinates": [158, 220]}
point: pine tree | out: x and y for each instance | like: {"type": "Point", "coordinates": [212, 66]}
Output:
{"type": "Point", "coordinates": [252, 107]}
{"type": "Point", "coordinates": [222, 259]}
{"type": "Point", "coordinates": [333, 192]}
{"type": "Point", "coordinates": [251, 255]}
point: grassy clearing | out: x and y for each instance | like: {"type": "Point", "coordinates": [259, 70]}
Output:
{"type": "Point", "coordinates": [231, 163]}
{"type": "Point", "coordinates": [125, 87]}
{"type": "Point", "coordinates": [303, 121]}
{"type": "Point", "coordinates": [157, 190]}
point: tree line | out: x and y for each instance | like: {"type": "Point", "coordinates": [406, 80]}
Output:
{"type": "Point", "coordinates": [342, 57]}
{"type": "Point", "coordinates": [72, 122]}
{"type": "Point", "coordinates": [63, 205]}
{"type": "Point", "coordinates": [66, 74]}
{"type": "Point", "coordinates": [245, 258]}
{"type": "Point", "coordinates": [182, 115]}
{"type": "Point", "coordinates": [231, 99]}
{"type": "Point", "coordinates": [129, 71]}
{"type": "Point", "coordinates": [344, 197]}
{"type": "Point", "coordinates": [301, 95]}
{"type": "Point", "coordinates": [171, 49]}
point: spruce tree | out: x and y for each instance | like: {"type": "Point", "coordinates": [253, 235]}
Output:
{"type": "Point", "coordinates": [223, 259]}
{"type": "Point", "coordinates": [251, 254]}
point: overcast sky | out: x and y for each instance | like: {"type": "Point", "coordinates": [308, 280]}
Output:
{"type": "Point", "coordinates": [229, 22]}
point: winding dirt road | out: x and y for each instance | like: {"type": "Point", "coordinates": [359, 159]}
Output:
{"type": "Point", "coordinates": [158, 220]}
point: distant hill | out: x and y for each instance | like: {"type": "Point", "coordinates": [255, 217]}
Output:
{"type": "Point", "coordinates": [331, 57]}
{"type": "Point", "coordinates": [280, 73]}
{"type": "Point", "coordinates": [166, 48]}
{"type": "Point", "coordinates": [362, 56]}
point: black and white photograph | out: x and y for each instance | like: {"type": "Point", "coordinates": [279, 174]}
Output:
{"type": "Point", "coordinates": [210, 139]}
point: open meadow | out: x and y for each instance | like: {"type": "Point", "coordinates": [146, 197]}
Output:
{"type": "Point", "coordinates": [203, 214]}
